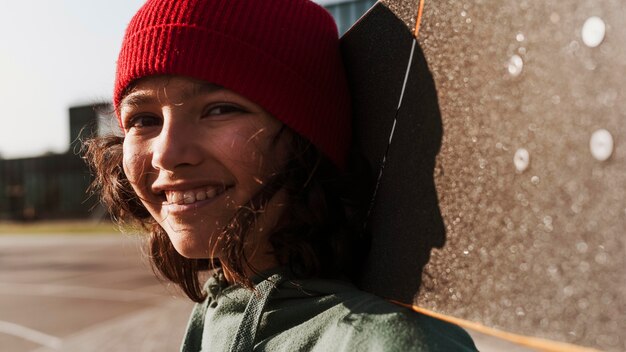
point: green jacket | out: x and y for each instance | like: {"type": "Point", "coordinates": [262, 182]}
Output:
{"type": "Point", "coordinates": [312, 315]}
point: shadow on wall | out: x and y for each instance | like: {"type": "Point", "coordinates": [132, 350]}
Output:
{"type": "Point", "coordinates": [405, 221]}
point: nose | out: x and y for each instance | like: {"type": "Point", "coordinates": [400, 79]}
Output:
{"type": "Point", "coordinates": [175, 146]}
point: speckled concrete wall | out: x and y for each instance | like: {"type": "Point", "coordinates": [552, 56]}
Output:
{"type": "Point", "coordinates": [532, 196]}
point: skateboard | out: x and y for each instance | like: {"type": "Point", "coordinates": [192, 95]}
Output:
{"type": "Point", "coordinates": [494, 138]}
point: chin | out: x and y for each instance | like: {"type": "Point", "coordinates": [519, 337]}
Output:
{"type": "Point", "coordinates": [189, 245]}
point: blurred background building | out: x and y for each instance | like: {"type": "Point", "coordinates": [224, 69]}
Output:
{"type": "Point", "coordinates": [347, 12]}
{"type": "Point", "coordinates": [52, 186]}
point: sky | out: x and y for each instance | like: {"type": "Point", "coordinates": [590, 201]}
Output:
{"type": "Point", "coordinates": [54, 55]}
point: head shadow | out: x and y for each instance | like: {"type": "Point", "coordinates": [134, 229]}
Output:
{"type": "Point", "coordinates": [405, 220]}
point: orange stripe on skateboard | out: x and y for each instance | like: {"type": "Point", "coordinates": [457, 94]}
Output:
{"type": "Point", "coordinates": [418, 19]}
{"type": "Point", "coordinates": [532, 342]}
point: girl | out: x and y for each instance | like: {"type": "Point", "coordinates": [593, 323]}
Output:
{"type": "Point", "coordinates": [236, 119]}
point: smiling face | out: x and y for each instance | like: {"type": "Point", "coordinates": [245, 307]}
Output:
{"type": "Point", "coordinates": [195, 153]}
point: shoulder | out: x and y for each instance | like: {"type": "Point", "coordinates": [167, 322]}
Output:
{"type": "Point", "coordinates": [370, 323]}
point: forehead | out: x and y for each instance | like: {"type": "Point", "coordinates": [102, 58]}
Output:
{"type": "Point", "coordinates": [166, 89]}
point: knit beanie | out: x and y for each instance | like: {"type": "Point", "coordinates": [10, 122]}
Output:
{"type": "Point", "coordinates": [281, 54]}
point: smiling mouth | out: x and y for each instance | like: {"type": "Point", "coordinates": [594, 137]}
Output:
{"type": "Point", "coordinates": [193, 195]}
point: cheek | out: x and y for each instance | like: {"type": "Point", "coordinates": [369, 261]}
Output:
{"type": "Point", "coordinates": [240, 149]}
{"type": "Point", "coordinates": [259, 150]}
{"type": "Point", "coordinates": [134, 164]}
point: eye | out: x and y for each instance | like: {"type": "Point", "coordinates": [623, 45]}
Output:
{"type": "Point", "coordinates": [142, 121]}
{"type": "Point", "coordinates": [223, 109]}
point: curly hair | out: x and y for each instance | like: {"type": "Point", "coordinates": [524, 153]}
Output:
{"type": "Point", "coordinates": [322, 234]}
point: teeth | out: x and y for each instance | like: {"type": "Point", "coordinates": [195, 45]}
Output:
{"type": "Point", "coordinates": [190, 197]}
{"type": "Point", "coordinates": [176, 197]}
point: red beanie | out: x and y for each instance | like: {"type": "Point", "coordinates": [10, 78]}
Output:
{"type": "Point", "coordinates": [281, 54]}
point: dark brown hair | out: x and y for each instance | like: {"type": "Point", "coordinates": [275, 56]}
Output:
{"type": "Point", "coordinates": [321, 234]}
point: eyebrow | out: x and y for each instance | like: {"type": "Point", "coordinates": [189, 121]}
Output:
{"type": "Point", "coordinates": [136, 99]}
{"type": "Point", "coordinates": [140, 97]}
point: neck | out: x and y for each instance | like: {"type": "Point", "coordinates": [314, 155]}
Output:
{"type": "Point", "coordinates": [259, 252]}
